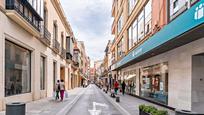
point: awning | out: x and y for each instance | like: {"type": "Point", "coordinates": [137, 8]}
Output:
{"type": "Point", "coordinates": [130, 76]}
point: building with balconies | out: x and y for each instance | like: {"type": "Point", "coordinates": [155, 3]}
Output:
{"type": "Point", "coordinates": [158, 50]}
{"type": "Point", "coordinates": [33, 51]}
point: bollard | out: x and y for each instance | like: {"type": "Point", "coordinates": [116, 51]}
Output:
{"type": "Point", "coordinates": [117, 99]}
{"type": "Point", "coordinates": [15, 108]}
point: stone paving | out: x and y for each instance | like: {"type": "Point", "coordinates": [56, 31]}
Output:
{"type": "Point", "coordinates": [49, 106]}
{"type": "Point", "coordinates": [131, 104]}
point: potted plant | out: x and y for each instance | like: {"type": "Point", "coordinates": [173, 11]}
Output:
{"type": "Point", "coordinates": [151, 110]}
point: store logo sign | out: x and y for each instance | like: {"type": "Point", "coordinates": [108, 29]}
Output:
{"type": "Point", "coordinates": [199, 12]}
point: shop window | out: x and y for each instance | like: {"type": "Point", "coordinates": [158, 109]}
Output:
{"type": "Point", "coordinates": [42, 73]}
{"type": "Point", "coordinates": [154, 83]}
{"type": "Point", "coordinates": [17, 69]}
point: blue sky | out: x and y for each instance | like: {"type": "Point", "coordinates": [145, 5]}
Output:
{"type": "Point", "coordinates": [91, 22]}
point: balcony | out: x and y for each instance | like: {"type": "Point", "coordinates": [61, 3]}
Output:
{"type": "Point", "coordinates": [46, 38]}
{"type": "Point", "coordinates": [24, 15]}
{"type": "Point", "coordinates": [56, 46]}
{"type": "Point", "coordinates": [76, 64]}
{"type": "Point", "coordinates": [63, 53]}
{"type": "Point", "coordinates": [69, 57]}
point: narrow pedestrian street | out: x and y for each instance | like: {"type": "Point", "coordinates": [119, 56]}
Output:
{"type": "Point", "coordinates": [84, 105]}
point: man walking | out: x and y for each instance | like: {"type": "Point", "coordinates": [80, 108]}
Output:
{"type": "Point", "coordinates": [123, 87]}
{"type": "Point", "coordinates": [57, 89]}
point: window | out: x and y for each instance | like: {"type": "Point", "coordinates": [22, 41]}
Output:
{"type": "Point", "coordinates": [42, 73]}
{"type": "Point", "coordinates": [120, 23]}
{"type": "Point", "coordinates": [154, 83]}
{"type": "Point", "coordinates": [141, 25]}
{"type": "Point", "coordinates": [121, 48]}
{"type": "Point", "coordinates": [62, 39]}
{"type": "Point", "coordinates": [55, 30]}
{"type": "Point", "coordinates": [148, 16]}
{"type": "Point", "coordinates": [17, 69]}
{"type": "Point", "coordinates": [176, 6]}
{"type": "Point", "coordinates": [54, 74]}
{"type": "Point", "coordinates": [130, 37]}
{"type": "Point", "coordinates": [131, 5]}
{"type": "Point", "coordinates": [135, 31]}
{"type": "Point", "coordinates": [45, 18]}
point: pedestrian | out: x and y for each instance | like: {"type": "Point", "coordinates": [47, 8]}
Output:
{"type": "Point", "coordinates": [62, 88]}
{"type": "Point", "coordinates": [107, 87]}
{"type": "Point", "coordinates": [116, 87]}
{"type": "Point", "coordinates": [57, 89]}
{"type": "Point", "coordinates": [123, 87]}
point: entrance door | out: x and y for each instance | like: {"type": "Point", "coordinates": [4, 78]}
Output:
{"type": "Point", "coordinates": [198, 83]}
{"type": "Point", "coordinates": [62, 73]}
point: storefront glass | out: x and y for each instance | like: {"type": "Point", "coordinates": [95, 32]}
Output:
{"type": "Point", "coordinates": [154, 83]}
{"type": "Point", "coordinates": [17, 70]}
{"type": "Point", "coordinates": [130, 80]}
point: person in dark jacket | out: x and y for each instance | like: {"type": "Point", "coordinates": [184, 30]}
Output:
{"type": "Point", "coordinates": [123, 87]}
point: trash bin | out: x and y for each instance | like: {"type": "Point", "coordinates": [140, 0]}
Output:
{"type": "Point", "coordinates": [186, 112]}
{"type": "Point", "coordinates": [15, 108]}
{"type": "Point", "coordinates": [117, 99]}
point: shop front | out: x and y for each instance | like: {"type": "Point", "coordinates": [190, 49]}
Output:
{"type": "Point", "coordinates": [154, 83]}
{"type": "Point", "coordinates": [130, 80]}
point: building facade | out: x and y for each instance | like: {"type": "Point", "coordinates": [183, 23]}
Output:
{"type": "Point", "coordinates": [35, 51]}
{"type": "Point", "coordinates": [158, 50]}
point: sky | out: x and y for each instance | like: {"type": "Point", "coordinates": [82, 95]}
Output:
{"type": "Point", "coordinates": [91, 22]}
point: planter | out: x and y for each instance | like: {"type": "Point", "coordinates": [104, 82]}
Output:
{"type": "Point", "coordinates": [143, 113]}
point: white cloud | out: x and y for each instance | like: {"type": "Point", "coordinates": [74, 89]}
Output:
{"type": "Point", "coordinates": [91, 22]}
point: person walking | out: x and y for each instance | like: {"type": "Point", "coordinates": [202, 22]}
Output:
{"type": "Point", "coordinates": [57, 89]}
{"type": "Point", "coordinates": [123, 87]}
{"type": "Point", "coordinates": [62, 88]}
{"type": "Point", "coordinates": [116, 87]}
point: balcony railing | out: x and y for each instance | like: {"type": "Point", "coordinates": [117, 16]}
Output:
{"type": "Point", "coordinates": [76, 64]}
{"type": "Point", "coordinates": [25, 11]}
{"type": "Point", "coordinates": [68, 56]}
{"type": "Point", "coordinates": [46, 38]}
{"type": "Point", "coordinates": [63, 53]}
{"type": "Point", "coordinates": [56, 46]}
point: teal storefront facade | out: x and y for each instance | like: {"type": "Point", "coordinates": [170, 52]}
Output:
{"type": "Point", "coordinates": [167, 59]}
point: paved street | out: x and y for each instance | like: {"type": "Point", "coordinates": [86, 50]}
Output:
{"type": "Point", "coordinates": [85, 103]}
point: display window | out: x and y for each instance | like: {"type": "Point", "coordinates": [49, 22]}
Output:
{"type": "Point", "coordinates": [154, 83]}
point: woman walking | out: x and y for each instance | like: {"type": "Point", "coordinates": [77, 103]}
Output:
{"type": "Point", "coordinates": [62, 88]}
{"type": "Point", "coordinates": [116, 87]}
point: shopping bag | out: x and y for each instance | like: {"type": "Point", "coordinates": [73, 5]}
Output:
{"type": "Point", "coordinates": [66, 94]}
{"type": "Point", "coordinates": [54, 95]}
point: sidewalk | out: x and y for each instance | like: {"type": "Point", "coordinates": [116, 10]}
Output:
{"type": "Point", "coordinates": [130, 104]}
{"type": "Point", "coordinates": [49, 106]}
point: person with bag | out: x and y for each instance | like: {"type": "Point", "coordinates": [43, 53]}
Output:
{"type": "Point", "coordinates": [57, 89]}
{"type": "Point", "coordinates": [62, 89]}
